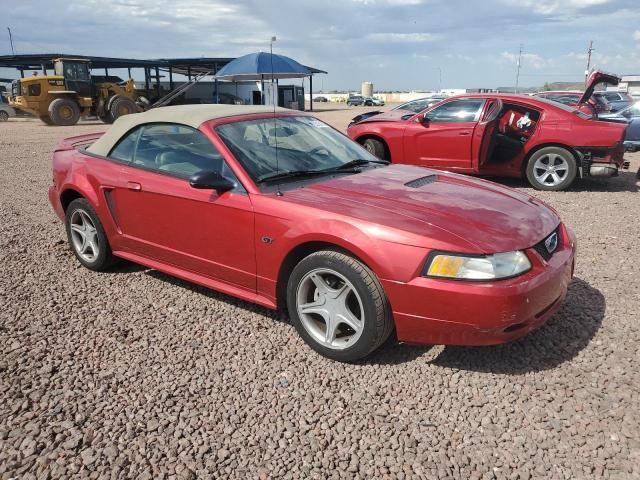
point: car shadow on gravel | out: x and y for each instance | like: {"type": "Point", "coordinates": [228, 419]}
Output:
{"type": "Point", "coordinates": [568, 332]}
{"type": "Point", "coordinates": [215, 295]}
{"type": "Point", "coordinates": [558, 341]}
{"type": "Point", "coordinates": [626, 181]}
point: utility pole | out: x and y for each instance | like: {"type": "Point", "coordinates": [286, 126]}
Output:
{"type": "Point", "coordinates": [13, 52]}
{"type": "Point", "coordinates": [440, 81]}
{"type": "Point", "coordinates": [586, 72]}
{"type": "Point", "coordinates": [518, 68]}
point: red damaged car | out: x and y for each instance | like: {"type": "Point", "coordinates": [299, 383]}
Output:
{"type": "Point", "coordinates": [282, 210]}
{"type": "Point", "coordinates": [549, 143]}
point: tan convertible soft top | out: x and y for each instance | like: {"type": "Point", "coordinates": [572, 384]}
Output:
{"type": "Point", "coordinates": [190, 115]}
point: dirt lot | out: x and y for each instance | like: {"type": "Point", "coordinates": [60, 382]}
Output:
{"type": "Point", "coordinates": [133, 374]}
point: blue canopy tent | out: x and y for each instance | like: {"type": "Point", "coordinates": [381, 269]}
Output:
{"type": "Point", "coordinates": [265, 66]}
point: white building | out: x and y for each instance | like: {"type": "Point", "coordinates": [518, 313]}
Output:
{"type": "Point", "coordinates": [629, 84]}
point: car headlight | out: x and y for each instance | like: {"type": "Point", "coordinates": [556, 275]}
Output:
{"type": "Point", "coordinates": [485, 267]}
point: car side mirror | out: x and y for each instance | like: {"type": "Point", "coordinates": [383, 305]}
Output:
{"type": "Point", "coordinates": [209, 180]}
{"type": "Point", "coordinates": [424, 119]}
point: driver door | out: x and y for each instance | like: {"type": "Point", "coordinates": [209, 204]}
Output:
{"type": "Point", "coordinates": [161, 217]}
{"type": "Point", "coordinates": [444, 138]}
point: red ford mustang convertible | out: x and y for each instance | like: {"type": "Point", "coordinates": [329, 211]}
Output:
{"type": "Point", "coordinates": [500, 135]}
{"type": "Point", "coordinates": [284, 211]}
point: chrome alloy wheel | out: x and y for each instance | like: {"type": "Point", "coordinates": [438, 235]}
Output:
{"type": "Point", "coordinates": [550, 170]}
{"type": "Point", "coordinates": [84, 236]}
{"type": "Point", "coordinates": [330, 308]}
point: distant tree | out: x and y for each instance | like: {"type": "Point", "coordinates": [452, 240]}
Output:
{"type": "Point", "coordinates": [546, 87]}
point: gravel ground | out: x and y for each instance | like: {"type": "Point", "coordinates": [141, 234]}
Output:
{"type": "Point", "coordinates": [133, 374]}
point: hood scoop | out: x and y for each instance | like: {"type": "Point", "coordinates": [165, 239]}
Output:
{"type": "Point", "coordinates": [422, 181]}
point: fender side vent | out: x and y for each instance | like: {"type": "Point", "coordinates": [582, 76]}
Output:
{"type": "Point", "coordinates": [422, 181]}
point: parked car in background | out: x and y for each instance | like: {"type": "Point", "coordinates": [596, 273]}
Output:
{"type": "Point", "coordinates": [320, 99]}
{"type": "Point", "coordinates": [630, 115]}
{"type": "Point", "coordinates": [359, 100]}
{"type": "Point", "coordinates": [6, 111]}
{"type": "Point", "coordinates": [355, 100]}
{"type": "Point", "coordinates": [375, 102]}
{"type": "Point", "coordinates": [586, 101]}
{"type": "Point", "coordinates": [595, 105]}
{"type": "Point", "coordinates": [549, 143]}
{"type": "Point", "coordinates": [314, 225]}
{"type": "Point", "coordinates": [420, 104]}
{"type": "Point", "coordinates": [412, 106]}
{"type": "Point", "coordinates": [615, 100]}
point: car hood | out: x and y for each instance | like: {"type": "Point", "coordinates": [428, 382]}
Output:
{"type": "Point", "coordinates": [390, 116]}
{"type": "Point", "coordinates": [434, 209]}
{"type": "Point", "coordinates": [594, 79]}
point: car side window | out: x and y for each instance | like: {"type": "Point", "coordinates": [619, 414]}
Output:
{"type": "Point", "coordinates": [464, 110]}
{"type": "Point", "coordinates": [173, 149]}
{"type": "Point", "coordinates": [123, 151]}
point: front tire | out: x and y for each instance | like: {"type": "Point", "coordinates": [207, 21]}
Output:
{"type": "Point", "coordinates": [337, 305]}
{"type": "Point", "coordinates": [551, 169]}
{"type": "Point", "coordinates": [122, 106]}
{"type": "Point", "coordinates": [86, 236]}
{"type": "Point", "coordinates": [4, 116]}
{"type": "Point", "coordinates": [64, 112]}
{"type": "Point", "coordinates": [375, 147]}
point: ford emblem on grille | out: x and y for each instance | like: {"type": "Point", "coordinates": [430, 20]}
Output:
{"type": "Point", "coordinates": [551, 243]}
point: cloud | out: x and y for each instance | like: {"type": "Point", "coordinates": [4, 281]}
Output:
{"type": "Point", "coordinates": [472, 43]}
{"type": "Point", "coordinates": [390, 2]}
{"type": "Point", "coordinates": [548, 7]}
{"type": "Point", "coordinates": [401, 37]}
{"type": "Point", "coordinates": [528, 59]}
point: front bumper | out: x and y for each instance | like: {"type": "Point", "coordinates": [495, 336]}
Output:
{"type": "Point", "coordinates": [54, 200]}
{"type": "Point", "coordinates": [449, 312]}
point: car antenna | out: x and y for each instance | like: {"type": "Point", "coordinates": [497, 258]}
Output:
{"type": "Point", "coordinates": [275, 122]}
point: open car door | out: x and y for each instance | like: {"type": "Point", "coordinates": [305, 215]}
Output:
{"type": "Point", "coordinates": [485, 134]}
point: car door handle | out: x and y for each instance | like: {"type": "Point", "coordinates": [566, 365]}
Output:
{"type": "Point", "coordinates": [135, 186]}
{"type": "Point", "coordinates": [464, 133]}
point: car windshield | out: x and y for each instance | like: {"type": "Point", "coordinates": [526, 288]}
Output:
{"type": "Point", "coordinates": [270, 147]}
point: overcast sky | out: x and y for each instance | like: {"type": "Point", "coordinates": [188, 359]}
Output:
{"type": "Point", "coordinates": [397, 44]}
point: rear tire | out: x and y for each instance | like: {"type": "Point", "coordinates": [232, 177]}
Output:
{"type": "Point", "coordinates": [64, 112]}
{"type": "Point", "coordinates": [551, 169]}
{"type": "Point", "coordinates": [86, 236]}
{"type": "Point", "coordinates": [4, 116]}
{"type": "Point", "coordinates": [122, 106]}
{"type": "Point", "coordinates": [338, 307]}
{"type": "Point", "coordinates": [375, 147]}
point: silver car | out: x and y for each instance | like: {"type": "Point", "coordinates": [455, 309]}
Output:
{"type": "Point", "coordinates": [5, 111]}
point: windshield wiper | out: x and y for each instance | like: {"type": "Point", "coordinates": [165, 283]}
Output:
{"type": "Point", "coordinates": [346, 167]}
{"type": "Point", "coordinates": [359, 162]}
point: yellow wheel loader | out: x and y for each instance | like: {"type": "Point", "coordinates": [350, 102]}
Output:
{"type": "Point", "coordinates": [71, 93]}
